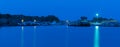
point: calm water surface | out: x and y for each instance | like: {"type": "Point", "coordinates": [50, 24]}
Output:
{"type": "Point", "coordinates": [59, 36]}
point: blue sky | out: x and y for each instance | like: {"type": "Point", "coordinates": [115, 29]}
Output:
{"type": "Point", "coordinates": [64, 9]}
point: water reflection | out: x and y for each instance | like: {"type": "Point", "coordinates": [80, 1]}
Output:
{"type": "Point", "coordinates": [96, 36]}
{"type": "Point", "coordinates": [22, 36]}
{"type": "Point", "coordinates": [67, 36]}
{"type": "Point", "coordinates": [34, 37]}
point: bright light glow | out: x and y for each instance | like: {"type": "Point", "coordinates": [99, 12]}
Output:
{"type": "Point", "coordinates": [96, 36]}
{"type": "Point", "coordinates": [97, 14]}
{"type": "Point", "coordinates": [22, 20]}
{"type": "Point", "coordinates": [96, 27]}
{"type": "Point", "coordinates": [34, 20]}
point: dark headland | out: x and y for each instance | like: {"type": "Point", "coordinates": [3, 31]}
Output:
{"type": "Point", "coordinates": [21, 20]}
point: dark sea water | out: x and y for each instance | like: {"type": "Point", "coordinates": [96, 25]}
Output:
{"type": "Point", "coordinates": [59, 36]}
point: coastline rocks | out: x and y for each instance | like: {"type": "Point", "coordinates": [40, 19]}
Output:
{"type": "Point", "coordinates": [3, 21]}
{"type": "Point", "coordinates": [86, 24]}
{"type": "Point", "coordinates": [111, 24]}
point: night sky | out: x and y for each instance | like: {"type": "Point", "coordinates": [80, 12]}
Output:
{"type": "Point", "coordinates": [64, 9]}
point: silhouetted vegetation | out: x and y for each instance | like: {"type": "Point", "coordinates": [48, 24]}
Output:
{"type": "Point", "coordinates": [7, 19]}
{"type": "Point", "coordinates": [83, 18]}
{"type": "Point", "coordinates": [16, 20]}
{"type": "Point", "coordinates": [101, 19]}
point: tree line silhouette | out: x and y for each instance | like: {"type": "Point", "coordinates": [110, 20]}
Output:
{"type": "Point", "coordinates": [7, 19]}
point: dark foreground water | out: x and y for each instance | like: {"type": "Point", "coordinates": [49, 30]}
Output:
{"type": "Point", "coordinates": [59, 36]}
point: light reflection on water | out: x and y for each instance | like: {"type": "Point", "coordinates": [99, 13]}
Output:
{"type": "Point", "coordinates": [55, 36]}
{"type": "Point", "coordinates": [22, 36]}
{"type": "Point", "coordinates": [67, 36]}
{"type": "Point", "coordinates": [34, 37]}
{"type": "Point", "coordinates": [96, 36]}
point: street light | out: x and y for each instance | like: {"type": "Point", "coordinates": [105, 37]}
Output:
{"type": "Point", "coordinates": [97, 15]}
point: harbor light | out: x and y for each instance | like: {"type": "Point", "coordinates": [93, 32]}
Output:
{"type": "Point", "coordinates": [96, 27]}
{"type": "Point", "coordinates": [34, 20]}
{"type": "Point", "coordinates": [97, 14]}
{"type": "Point", "coordinates": [22, 20]}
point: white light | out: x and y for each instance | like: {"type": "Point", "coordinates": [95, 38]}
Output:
{"type": "Point", "coordinates": [34, 20]}
{"type": "Point", "coordinates": [97, 14]}
{"type": "Point", "coordinates": [67, 21]}
{"type": "Point", "coordinates": [96, 27]}
{"type": "Point", "coordinates": [22, 20]}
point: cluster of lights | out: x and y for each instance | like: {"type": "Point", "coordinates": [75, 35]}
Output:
{"type": "Point", "coordinates": [23, 20]}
